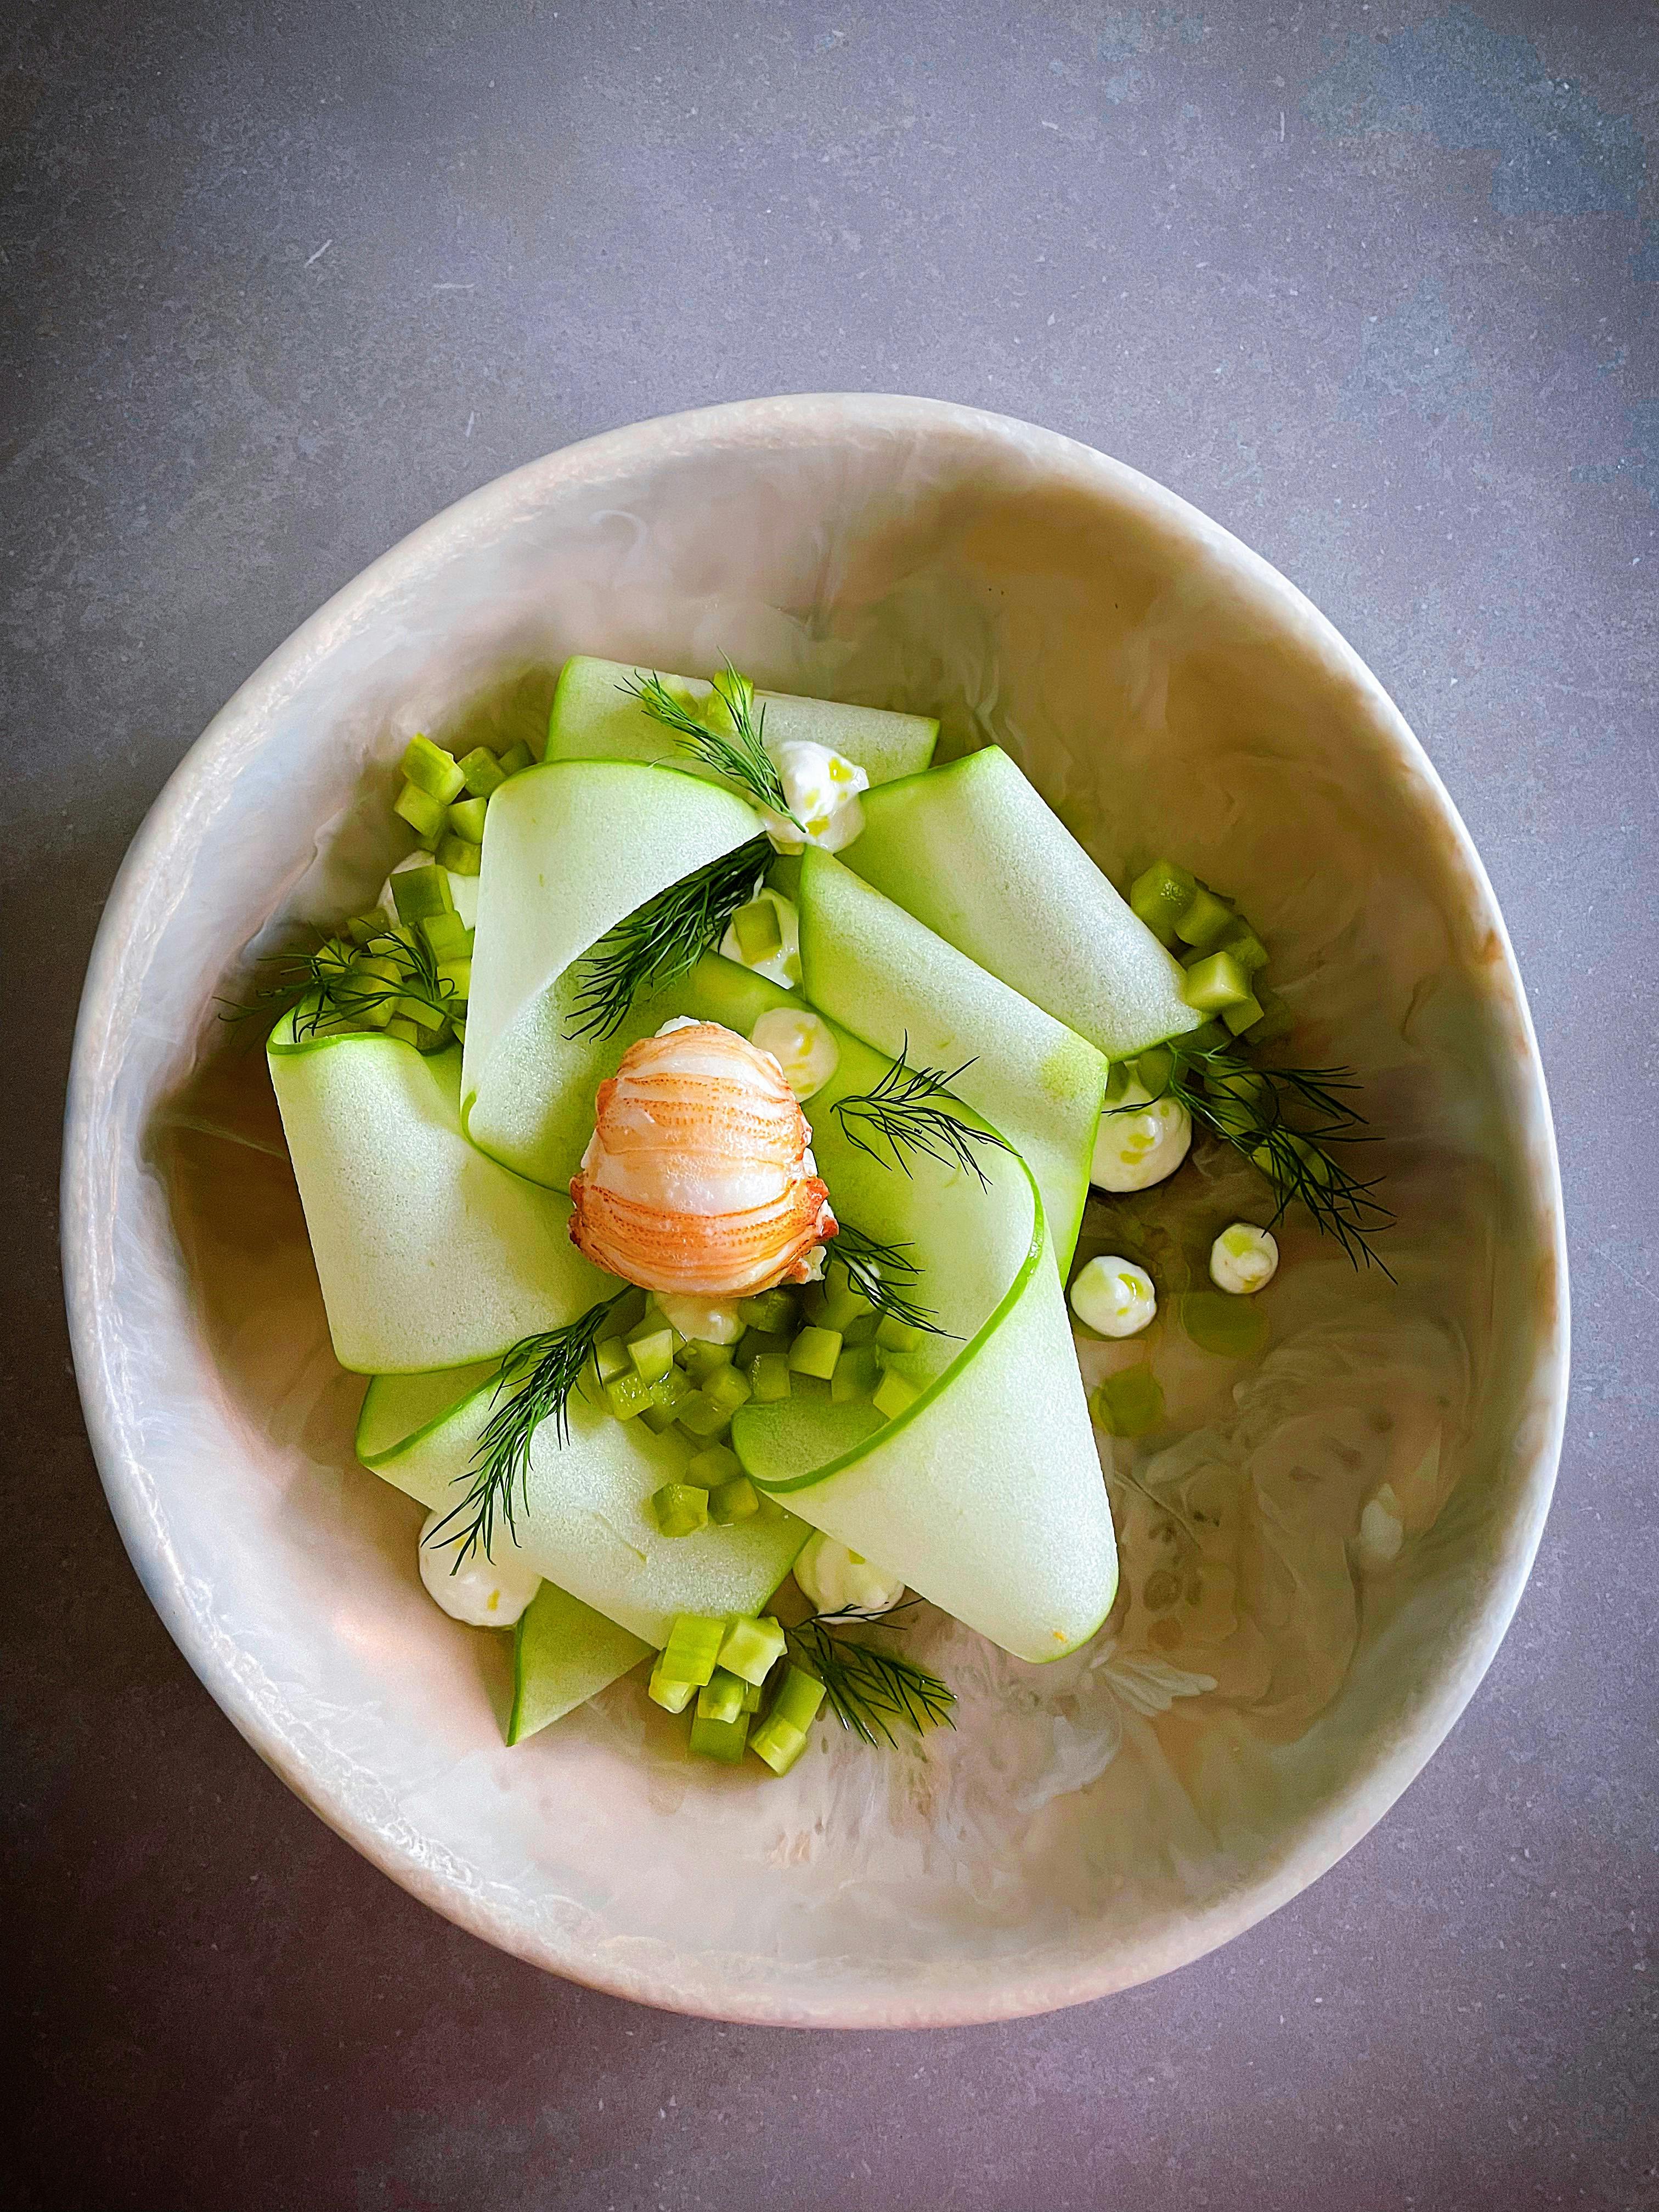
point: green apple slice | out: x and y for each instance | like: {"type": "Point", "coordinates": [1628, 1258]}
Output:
{"type": "Point", "coordinates": [563, 1654]}
{"type": "Point", "coordinates": [594, 718]}
{"type": "Point", "coordinates": [570, 848]}
{"type": "Point", "coordinates": [882, 974]}
{"type": "Point", "coordinates": [429, 1255]}
{"type": "Point", "coordinates": [585, 1522]}
{"type": "Point", "coordinates": [974, 852]}
{"type": "Point", "coordinates": [986, 1494]}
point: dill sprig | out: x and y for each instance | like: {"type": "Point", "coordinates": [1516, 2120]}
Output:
{"type": "Point", "coordinates": [659, 940]}
{"type": "Point", "coordinates": [327, 986]}
{"type": "Point", "coordinates": [1247, 1106]}
{"type": "Point", "coordinates": [904, 1112]}
{"type": "Point", "coordinates": [537, 1374]}
{"type": "Point", "coordinates": [739, 754]}
{"type": "Point", "coordinates": [883, 1273]}
{"type": "Point", "coordinates": [871, 1691]}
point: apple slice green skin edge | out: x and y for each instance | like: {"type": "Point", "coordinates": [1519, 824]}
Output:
{"type": "Point", "coordinates": [596, 717]}
{"type": "Point", "coordinates": [973, 850]}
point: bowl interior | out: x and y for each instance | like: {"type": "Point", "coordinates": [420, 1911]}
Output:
{"type": "Point", "coordinates": [1269, 1681]}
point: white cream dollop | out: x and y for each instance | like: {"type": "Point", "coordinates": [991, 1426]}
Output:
{"type": "Point", "coordinates": [1243, 1259]}
{"type": "Point", "coordinates": [820, 789]}
{"type": "Point", "coordinates": [782, 966]}
{"type": "Point", "coordinates": [836, 1580]}
{"type": "Point", "coordinates": [1113, 1297]}
{"type": "Point", "coordinates": [484, 1593]}
{"type": "Point", "coordinates": [1140, 1141]}
{"type": "Point", "coordinates": [802, 1045]}
{"type": "Point", "coordinates": [701, 1321]}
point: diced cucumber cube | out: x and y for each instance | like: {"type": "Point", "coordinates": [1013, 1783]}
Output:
{"type": "Point", "coordinates": [1207, 921]}
{"type": "Point", "coordinates": [720, 1698]}
{"type": "Point", "coordinates": [425, 814]}
{"type": "Point", "coordinates": [710, 1469]}
{"type": "Point", "coordinates": [857, 1373]}
{"type": "Point", "coordinates": [431, 769]}
{"type": "Point", "coordinates": [727, 1388]}
{"type": "Point", "coordinates": [459, 855]}
{"type": "Point", "coordinates": [751, 1697]}
{"type": "Point", "coordinates": [1129, 1403]}
{"type": "Point", "coordinates": [777, 1743]}
{"type": "Point", "coordinates": [457, 974]}
{"type": "Point", "coordinates": [610, 1356]}
{"type": "Point", "coordinates": [1216, 983]}
{"type": "Point", "coordinates": [651, 1352]}
{"type": "Point", "coordinates": [481, 772]}
{"type": "Point", "coordinates": [861, 1329]}
{"type": "Point", "coordinates": [1247, 949]}
{"type": "Point", "coordinates": [757, 932]}
{"type": "Point", "coordinates": [752, 1647]}
{"type": "Point", "coordinates": [775, 1311]}
{"type": "Point", "coordinates": [681, 1509]}
{"type": "Point", "coordinates": [363, 928]}
{"type": "Point", "coordinates": [663, 1690]}
{"type": "Point", "coordinates": [843, 1305]}
{"type": "Point", "coordinates": [419, 1010]}
{"type": "Point", "coordinates": [669, 1393]}
{"type": "Point", "coordinates": [894, 1335]}
{"type": "Point", "coordinates": [1244, 1016]}
{"type": "Point", "coordinates": [755, 1341]}
{"type": "Point", "coordinates": [815, 1351]}
{"type": "Point", "coordinates": [1160, 896]}
{"type": "Point", "coordinates": [467, 819]}
{"type": "Point", "coordinates": [591, 1384]}
{"type": "Point", "coordinates": [515, 757]}
{"type": "Point", "coordinates": [768, 1377]}
{"type": "Point", "coordinates": [729, 1502]}
{"type": "Point", "coordinates": [693, 1646]}
{"type": "Point", "coordinates": [799, 1695]}
{"type": "Point", "coordinates": [893, 1394]}
{"type": "Point", "coordinates": [702, 1421]}
{"type": "Point", "coordinates": [420, 895]}
{"type": "Point", "coordinates": [721, 1740]}
{"type": "Point", "coordinates": [405, 1032]}
{"type": "Point", "coordinates": [650, 1322]}
{"type": "Point", "coordinates": [628, 1394]}
{"type": "Point", "coordinates": [700, 1360]}
{"type": "Point", "coordinates": [446, 935]}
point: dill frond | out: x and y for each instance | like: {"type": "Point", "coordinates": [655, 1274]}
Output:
{"type": "Point", "coordinates": [739, 754]}
{"type": "Point", "coordinates": [659, 940]}
{"type": "Point", "coordinates": [536, 1378]}
{"type": "Point", "coordinates": [871, 1691]}
{"type": "Point", "coordinates": [905, 1113]}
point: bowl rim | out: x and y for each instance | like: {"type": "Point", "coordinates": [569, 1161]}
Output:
{"type": "Point", "coordinates": [999, 1990]}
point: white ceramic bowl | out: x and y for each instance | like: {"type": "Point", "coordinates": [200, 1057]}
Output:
{"type": "Point", "coordinates": [1090, 1825]}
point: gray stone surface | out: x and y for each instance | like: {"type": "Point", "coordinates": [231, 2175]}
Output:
{"type": "Point", "coordinates": [1374, 286]}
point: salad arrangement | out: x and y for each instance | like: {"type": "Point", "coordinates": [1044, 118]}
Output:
{"type": "Point", "coordinates": [693, 1147]}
